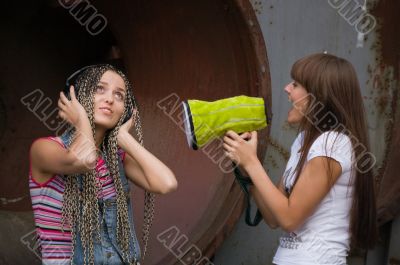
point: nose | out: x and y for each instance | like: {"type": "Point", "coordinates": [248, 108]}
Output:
{"type": "Point", "coordinates": [109, 98]}
{"type": "Point", "coordinates": [288, 88]}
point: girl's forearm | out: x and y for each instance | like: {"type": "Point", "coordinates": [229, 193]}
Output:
{"type": "Point", "coordinates": [268, 195]}
{"type": "Point", "coordinates": [266, 213]}
{"type": "Point", "coordinates": [83, 146]}
{"type": "Point", "coordinates": [157, 174]}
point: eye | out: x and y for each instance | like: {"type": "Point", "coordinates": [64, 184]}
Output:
{"type": "Point", "coordinates": [99, 89]}
{"type": "Point", "coordinates": [119, 96]}
{"type": "Point", "coordinates": [294, 84]}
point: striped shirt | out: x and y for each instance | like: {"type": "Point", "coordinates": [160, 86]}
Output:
{"type": "Point", "coordinates": [47, 201]}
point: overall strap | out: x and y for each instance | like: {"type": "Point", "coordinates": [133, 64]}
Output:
{"type": "Point", "coordinates": [65, 138]}
{"type": "Point", "coordinates": [122, 176]}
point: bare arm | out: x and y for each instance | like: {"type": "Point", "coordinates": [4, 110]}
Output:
{"type": "Point", "coordinates": [49, 158]}
{"type": "Point", "coordinates": [143, 168]}
{"type": "Point", "coordinates": [312, 186]}
{"type": "Point", "coordinates": [266, 213]}
{"type": "Point", "coordinates": [309, 191]}
{"type": "Point", "coordinates": [268, 217]}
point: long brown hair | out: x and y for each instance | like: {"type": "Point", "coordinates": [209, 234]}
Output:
{"type": "Point", "coordinates": [335, 104]}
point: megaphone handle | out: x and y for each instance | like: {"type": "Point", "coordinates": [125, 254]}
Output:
{"type": "Point", "coordinates": [244, 182]}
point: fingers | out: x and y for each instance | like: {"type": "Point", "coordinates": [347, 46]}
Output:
{"type": "Point", "coordinates": [63, 116]}
{"type": "Point", "coordinates": [63, 103]}
{"type": "Point", "coordinates": [72, 92]}
{"type": "Point", "coordinates": [245, 136]}
{"type": "Point", "coordinates": [239, 138]}
{"type": "Point", "coordinates": [63, 98]}
{"type": "Point", "coordinates": [232, 138]}
{"type": "Point", "coordinates": [228, 148]}
{"type": "Point", "coordinates": [253, 136]}
{"type": "Point", "coordinates": [60, 104]}
{"type": "Point", "coordinates": [233, 135]}
{"type": "Point", "coordinates": [239, 147]}
{"type": "Point", "coordinates": [229, 141]}
{"type": "Point", "coordinates": [62, 109]}
{"type": "Point", "coordinates": [230, 156]}
{"type": "Point", "coordinates": [129, 121]}
{"type": "Point", "coordinates": [127, 125]}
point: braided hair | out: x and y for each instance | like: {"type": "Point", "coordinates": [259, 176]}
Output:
{"type": "Point", "coordinates": [80, 208]}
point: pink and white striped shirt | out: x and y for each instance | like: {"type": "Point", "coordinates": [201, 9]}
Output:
{"type": "Point", "coordinates": [47, 201]}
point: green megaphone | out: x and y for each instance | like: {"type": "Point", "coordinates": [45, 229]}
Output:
{"type": "Point", "coordinates": [205, 121]}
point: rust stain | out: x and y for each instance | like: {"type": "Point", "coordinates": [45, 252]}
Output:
{"type": "Point", "coordinates": [384, 88]}
{"type": "Point", "coordinates": [387, 48]}
{"type": "Point", "coordinates": [258, 7]}
{"type": "Point", "coordinates": [281, 150]}
{"type": "Point", "coordinates": [273, 162]}
{"type": "Point", "coordinates": [287, 127]}
{"type": "Point", "coordinates": [385, 96]}
{"type": "Point", "coordinates": [388, 27]}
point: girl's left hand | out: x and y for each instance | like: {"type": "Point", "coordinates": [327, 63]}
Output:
{"type": "Point", "coordinates": [242, 149]}
{"type": "Point", "coordinates": [126, 127]}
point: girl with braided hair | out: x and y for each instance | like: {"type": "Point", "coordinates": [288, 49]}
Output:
{"type": "Point", "coordinates": [78, 181]}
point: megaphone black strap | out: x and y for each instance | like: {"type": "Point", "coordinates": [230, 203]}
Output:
{"type": "Point", "coordinates": [244, 182]}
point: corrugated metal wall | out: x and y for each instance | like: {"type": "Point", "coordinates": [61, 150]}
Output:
{"type": "Point", "coordinates": [293, 29]}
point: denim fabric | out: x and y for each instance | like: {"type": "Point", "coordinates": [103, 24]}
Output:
{"type": "Point", "coordinates": [107, 251]}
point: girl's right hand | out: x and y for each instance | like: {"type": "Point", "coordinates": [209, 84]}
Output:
{"type": "Point", "coordinates": [71, 110]}
{"type": "Point", "coordinates": [242, 149]}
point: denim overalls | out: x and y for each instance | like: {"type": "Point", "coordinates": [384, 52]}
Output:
{"type": "Point", "coordinates": [107, 251]}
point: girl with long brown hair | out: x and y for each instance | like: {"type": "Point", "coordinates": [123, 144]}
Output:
{"type": "Point", "coordinates": [325, 201]}
{"type": "Point", "coordinates": [79, 181]}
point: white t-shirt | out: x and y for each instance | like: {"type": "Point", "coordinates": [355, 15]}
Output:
{"type": "Point", "coordinates": [324, 237]}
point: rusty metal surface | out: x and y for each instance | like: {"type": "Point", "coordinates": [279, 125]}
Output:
{"type": "Point", "coordinates": [40, 46]}
{"type": "Point", "coordinates": [388, 50]}
{"type": "Point", "coordinates": [157, 36]}
{"type": "Point", "coordinates": [195, 49]}
{"type": "Point", "coordinates": [36, 53]}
